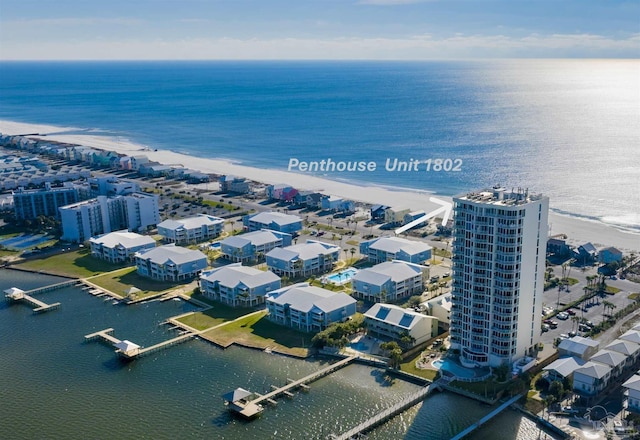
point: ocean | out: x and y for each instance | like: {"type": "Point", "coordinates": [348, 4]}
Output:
{"type": "Point", "coordinates": [567, 128]}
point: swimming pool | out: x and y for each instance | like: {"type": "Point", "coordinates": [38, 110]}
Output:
{"type": "Point", "coordinates": [453, 367]}
{"type": "Point", "coordinates": [359, 346]}
{"type": "Point", "coordinates": [342, 277]}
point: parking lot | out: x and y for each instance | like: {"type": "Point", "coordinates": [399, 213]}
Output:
{"type": "Point", "coordinates": [591, 310]}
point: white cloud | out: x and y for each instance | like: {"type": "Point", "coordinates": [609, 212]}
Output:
{"type": "Point", "coordinates": [417, 47]}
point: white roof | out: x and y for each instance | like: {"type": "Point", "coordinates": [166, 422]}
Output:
{"type": "Point", "coordinates": [234, 274]}
{"type": "Point", "coordinates": [126, 346]}
{"type": "Point", "coordinates": [395, 270]}
{"type": "Point", "coordinates": [631, 336]}
{"type": "Point", "coordinates": [627, 348]}
{"type": "Point", "coordinates": [13, 291]}
{"type": "Point", "coordinates": [170, 252]}
{"type": "Point", "coordinates": [124, 238]}
{"type": "Point", "coordinates": [578, 344]}
{"type": "Point", "coordinates": [397, 244]}
{"type": "Point", "coordinates": [279, 218]}
{"type": "Point", "coordinates": [607, 357]}
{"type": "Point", "coordinates": [304, 298]}
{"type": "Point", "coordinates": [633, 383]}
{"type": "Point", "coordinates": [395, 315]}
{"type": "Point", "coordinates": [304, 251]}
{"type": "Point", "coordinates": [565, 366]}
{"type": "Point", "coordinates": [194, 222]}
{"type": "Point", "coordinates": [594, 369]}
{"type": "Point", "coordinates": [256, 238]}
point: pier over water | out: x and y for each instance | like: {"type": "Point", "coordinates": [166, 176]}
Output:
{"type": "Point", "coordinates": [130, 350]}
{"type": "Point", "coordinates": [15, 294]}
{"type": "Point", "coordinates": [251, 408]}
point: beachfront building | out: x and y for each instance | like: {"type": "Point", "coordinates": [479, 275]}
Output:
{"type": "Point", "coordinates": [275, 221]}
{"type": "Point", "coordinates": [377, 212]}
{"type": "Point", "coordinates": [30, 204]}
{"type": "Point", "coordinates": [83, 220]}
{"type": "Point", "coordinates": [282, 192]}
{"type": "Point", "coordinates": [610, 255]}
{"type": "Point", "coordinates": [498, 275]}
{"type": "Point", "coordinates": [395, 215]}
{"type": "Point", "coordinates": [586, 253]}
{"type": "Point", "coordinates": [309, 199]}
{"type": "Point", "coordinates": [170, 263]}
{"type": "Point", "coordinates": [233, 184]}
{"type": "Point", "coordinates": [337, 204]}
{"type": "Point", "coordinates": [633, 393]}
{"type": "Point", "coordinates": [389, 281]}
{"type": "Point", "coordinates": [579, 347]}
{"type": "Point", "coordinates": [591, 378]}
{"type": "Point", "coordinates": [308, 308]}
{"type": "Point", "coordinates": [440, 307]}
{"type": "Point", "coordinates": [119, 246]}
{"type": "Point", "coordinates": [388, 321]}
{"type": "Point", "coordinates": [253, 245]}
{"type": "Point", "coordinates": [312, 257]}
{"type": "Point", "coordinates": [188, 230]}
{"type": "Point", "coordinates": [557, 245]}
{"type": "Point", "coordinates": [384, 249]}
{"type": "Point", "coordinates": [238, 285]}
{"type": "Point", "coordinates": [412, 216]}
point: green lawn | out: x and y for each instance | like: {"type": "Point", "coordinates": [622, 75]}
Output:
{"type": "Point", "coordinates": [217, 315]}
{"type": "Point", "coordinates": [257, 331]}
{"type": "Point", "coordinates": [74, 264]}
{"type": "Point", "coordinates": [121, 280]}
{"type": "Point", "coordinates": [409, 366]}
{"type": "Point", "coordinates": [612, 290]}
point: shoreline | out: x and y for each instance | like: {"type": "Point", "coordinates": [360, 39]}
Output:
{"type": "Point", "coordinates": [579, 230]}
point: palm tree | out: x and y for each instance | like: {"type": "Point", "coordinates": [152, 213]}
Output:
{"type": "Point", "coordinates": [353, 251]}
{"type": "Point", "coordinates": [383, 295]}
{"type": "Point", "coordinates": [574, 321]}
{"type": "Point", "coordinates": [607, 305]}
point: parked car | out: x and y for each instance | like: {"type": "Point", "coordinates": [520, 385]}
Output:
{"type": "Point", "coordinates": [569, 410]}
{"type": "Point", "coordinates": [564, 336]}
{"type": "Point", "coordinates": [571, 312]}
{"type": "Point", "coordinates": [545, 328]}
{"type": "Point", "coordinates": [562, 315]}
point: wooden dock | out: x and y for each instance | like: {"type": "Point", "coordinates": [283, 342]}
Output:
{"type": "Point", "coordinates": [104, 335]}
{"type": "Point", "coordinates": [252, 408]}
{"type": "Point", "coordinates": [20, 295]}
{"type": "Point", "coordinates": [387, 414]}
{"type": "Point", "coordinates": [129, 350]}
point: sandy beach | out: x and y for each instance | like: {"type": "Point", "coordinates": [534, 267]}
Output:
{"type": "Point", "coordinates": [579, 231]}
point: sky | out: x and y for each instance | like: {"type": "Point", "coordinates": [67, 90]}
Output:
{"type": "Point", "coordinates": [318, 29]}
